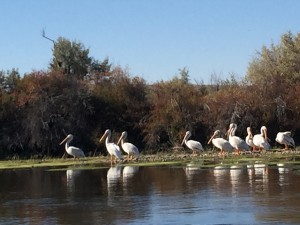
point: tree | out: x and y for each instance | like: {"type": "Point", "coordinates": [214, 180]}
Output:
{"type": "Point", "coordinates": [70, 58]}
{"type": "Point", "coordinates": [183, 76]}
{"type": "Point", "coordinates": [9, 79]}
{"type": "Point", "coordinates": [176, 106]}
{"type": "Point", "coordinates": [120, 103]}
{"type": "Point", "coordinates": [278, 65]}
{"type": "Point", "coordinates": [275, 73]}
{"type": "Point", "coordinates": [98, 71]}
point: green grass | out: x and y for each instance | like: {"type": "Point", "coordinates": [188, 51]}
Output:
{"type": "Point", "coordinates": [205, 160]}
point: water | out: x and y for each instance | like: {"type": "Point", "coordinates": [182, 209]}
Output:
{"type": "Point", "coordinates": [150, 195]}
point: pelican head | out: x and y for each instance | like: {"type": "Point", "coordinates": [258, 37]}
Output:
{"type": "Point", "coordinates": [106, 133]}
{"type": "Point", "coordinates": [123, 136]}
{"type": "Point", "coordinates": [263, 131]}
{"type": "Point", "coordinates": [232, 126]}
{"type": "Point", "coordinates": [216, 133]}
{"type": "Point", "coordinates": [68, 138]}
{"type": "Point", "coordinates": [186, 136]}
{"type": "Point", "coordinates": [249, 132]}
{"type": "Point", "coordinates": [264, 128]}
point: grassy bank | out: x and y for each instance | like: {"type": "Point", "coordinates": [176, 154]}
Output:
{"type": "Point", "coordinates": [206, 160]}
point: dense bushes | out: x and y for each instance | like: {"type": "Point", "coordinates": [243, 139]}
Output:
{"type": "Point", "coordinates": [39, 109]}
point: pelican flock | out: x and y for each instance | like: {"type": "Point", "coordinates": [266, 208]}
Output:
{"type": "Point", "coordinates": [250, 144]}
{"type": "Point", "coordinates": [71, 150]}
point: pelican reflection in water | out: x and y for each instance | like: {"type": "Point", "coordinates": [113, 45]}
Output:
{"type": "Point", "coordinates": [128, 177]}
{"type": "Point", "coordinates": [235, 176]}
{"type": "Point", "coordinates": [192, 170]}
{"type": "Point", "coordinates": [71, 177]}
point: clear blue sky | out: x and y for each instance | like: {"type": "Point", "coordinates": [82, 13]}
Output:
{"type": "Point", "coordinates": [152, 38]}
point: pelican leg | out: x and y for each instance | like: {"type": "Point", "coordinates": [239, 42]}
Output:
{"type": "Point", "coordinates": [222, 153]}
{"type": "Point", "coordinates": [237, 151]}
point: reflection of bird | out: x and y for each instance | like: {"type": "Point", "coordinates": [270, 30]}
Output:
{"type": "Point", "coordinates": [191, 144]}
{"type": "Point", "coordinates": [114, 173]}
{"type": "Point", "coordinates": [71, 174]}
{"type": "Point", "coordinates": [113, 176]}
{"type": "Point", "coordinates": [282, 168]}
{"type": "Point", "coordinates": [249, 138]}
{"type": "Point", "coordinates": [236, 142]}
{"type": "Point", "coordinates": [71, 150]}
{"type": "Point", "coordinates": [220, 143]}
{"type": "Point", "coordinates": [220, 174]}
{"type": "Point", "coordinates": [129, 148]}
{"type": "Point", "coordinates": [128, 174]}
{"type": "Point", "coordinates": [191, 170]}
{"type": "Point", "coordinates": [129, 171]}
{"type": "Point", "coordinates": [285, 139]}
{"type": "Point", "coordinates": [261, 140]}
{"type": "Point", "coordinates": [235, 173]}
{"type": "Point", "coordinates": [111, 147]}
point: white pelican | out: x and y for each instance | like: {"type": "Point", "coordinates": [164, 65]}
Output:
{"type": "Point", "coordinates": [129, 148]}
{"type": "Point", "coordinates": [261, 140]}
{"type": "Point", "coordinates": [249, 138]}
{"type": "Point", "coordinates": [191, 144]}
{"type": "Point", "coordinates": [71, 150]}
{"type": "Point", "coordinates": [112, 148]}
{"type": "Point", "coordinates": [237, 143]}
{"type": "Point", "coordinates": [220, 143]}
{"type": "Point", "coordinates": [285, 139]}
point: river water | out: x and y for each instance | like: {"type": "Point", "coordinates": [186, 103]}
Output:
{"type": "Point", "coordinates": [150, 195]}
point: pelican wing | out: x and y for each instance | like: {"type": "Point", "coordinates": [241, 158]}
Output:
{"type": "Point", "coordinates": [266, 145]}
{"type": "Point", "coordinates": [115, 150]}
{"type": "Point", "coordinates": [260, 141]}
{"type": "Point", "coordinates": [130, 148]}
{"type": "Point", "coordinates": [194, 145]}
{"type": "Point", "coordinates": [249, 141]}
{"type": "Point", "coordinates": [238, 143]}
{"type": "Point", "coordinates": [74, 151]}
{"type": "Point", "coordinates": [286, 138]}
{"type": "Point", "coordinates": [222, 143]}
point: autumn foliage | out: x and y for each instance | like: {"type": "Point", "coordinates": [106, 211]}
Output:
{"type": "Point", "coordinates": [38, 109]}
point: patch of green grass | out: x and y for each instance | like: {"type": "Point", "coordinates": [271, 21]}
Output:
{"type": "Point", "coordinates": [206, 160]}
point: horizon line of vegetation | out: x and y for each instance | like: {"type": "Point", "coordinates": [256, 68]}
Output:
{"type": "Point", "coordinates": [85, 96]}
